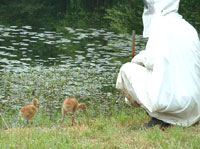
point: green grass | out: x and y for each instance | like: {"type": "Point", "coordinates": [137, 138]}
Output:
{"type": "Point", "coordinates": [101, 131]}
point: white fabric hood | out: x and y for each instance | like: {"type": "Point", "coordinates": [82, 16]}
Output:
{"type": "Point", "coordinates": [160, 7]}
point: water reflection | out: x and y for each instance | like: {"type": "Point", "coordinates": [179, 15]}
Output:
{"type": "Point", "coordinates": [24, 46]}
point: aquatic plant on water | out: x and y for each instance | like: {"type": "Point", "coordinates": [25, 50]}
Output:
{"type": "Point", "coordinates": [51, 86]}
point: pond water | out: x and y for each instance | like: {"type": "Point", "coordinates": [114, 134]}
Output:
{"type": "Point", "coordinates": [52, 65]}
{"type": "Point", "coordinates": [22, 47]}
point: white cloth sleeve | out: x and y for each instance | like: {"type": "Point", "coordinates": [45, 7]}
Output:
{"type": "Point", "coordinates": [144, 59]}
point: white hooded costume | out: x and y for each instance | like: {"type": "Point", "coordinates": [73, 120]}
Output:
{"type": "Point", "coordinates": [164, 79]}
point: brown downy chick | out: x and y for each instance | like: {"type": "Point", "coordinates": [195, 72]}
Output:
{"type": "Point", "coordinates": [70, 105]}
{"type": "Point", "coordinates": [28, 111]}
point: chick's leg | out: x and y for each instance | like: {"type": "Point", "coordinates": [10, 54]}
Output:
{"type": "Point", "coordinates": [63, 116]}
{"type": "Point", "coordinates": [73, 116]}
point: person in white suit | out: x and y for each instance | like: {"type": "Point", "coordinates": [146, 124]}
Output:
{"type": "Point", "coordinates": [164, 79]}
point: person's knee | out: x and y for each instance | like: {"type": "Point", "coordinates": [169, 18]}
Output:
{"type": "Point", "coordinates": [126, 66]}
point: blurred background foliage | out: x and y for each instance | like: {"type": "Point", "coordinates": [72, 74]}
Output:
{"type": "Point", "coordinates": [117, 15]}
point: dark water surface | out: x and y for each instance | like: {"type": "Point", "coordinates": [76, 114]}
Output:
{"type": "Point", "coordinates": [22, 47]}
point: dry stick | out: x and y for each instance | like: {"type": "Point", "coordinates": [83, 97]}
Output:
{"type": "Point", "coordinates": [4, 121]}
{"type": "Point", "coordinates": [133, 43]}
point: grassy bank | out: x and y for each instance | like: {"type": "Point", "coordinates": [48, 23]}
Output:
{"type": "Point", "coordinates": [110, 132]}
{"type": "Point", "coordinates": [110, 123]}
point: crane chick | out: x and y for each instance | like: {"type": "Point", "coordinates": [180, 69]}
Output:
{"type": "Point", "coordinates": [28, 111]}
{"type": "Point", "coordinates": [70, 105]}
